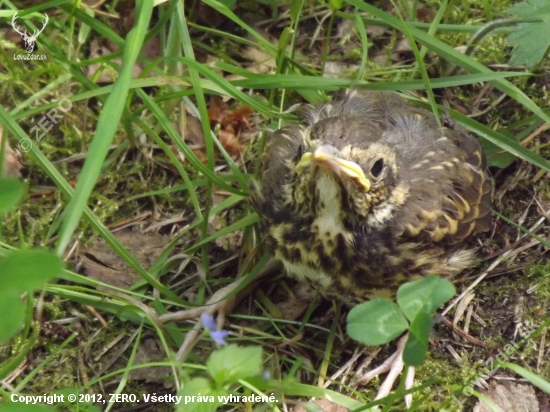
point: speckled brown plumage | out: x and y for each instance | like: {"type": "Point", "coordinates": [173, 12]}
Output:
{"type": "Point", "coordinates": [369, 192]}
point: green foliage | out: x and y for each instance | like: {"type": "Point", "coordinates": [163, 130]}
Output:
{"type": "Point", "coordinates": [228, 3]}
{"type": "Point", "coordinates": [12, 191]}
{"type": "Point", "coordinates": [21, 407]}
{"type": "Point", "coordinates": [205, 389]}
{"type": "Point", "coordinates": [379, 321]}
{"type": "Point", "coordinates": [376, 322]}
{"type": "Point", "coordinates": [27, 270]}
{"type": "Point", "coordinates": [419, 335]}
{"type": "Point", "coordinates": [21, 271]}
{"type": "Point", "coordinates": [424, 295]}
{"type": "Point", "coordinates": [10, 324]}
{"type": "Point", "coordinates": [336, 4]}
{"type": "Point", "coordinates": [530, 38]}
{"type": "Point", "coordinates": [530, 376]}
{"type": "Point", "coordinates": [106, 126]}
{"type": "Point", "coordinates": [495, 155]}
{"type": "Point", "coordinates": [233, 362]}
{"type": "Point", "coordinates": [225, 366]}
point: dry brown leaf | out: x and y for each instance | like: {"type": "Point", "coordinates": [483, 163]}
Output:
{"type": "Point", "coordinates": [231, 144]}
{"type": "Point", "coordinates": [150, 350]}
{"type": "Point", "coordinates": [510, 397]}
{"type": "Point", "coordinates": [424, 14]}
{"type": "Point", "coordinates": [321, 405]}
{"type": "Point", "coordinates": [402, 49]}
{"type": "Point", "coordinates": [294, 307]}
{"type": "Point", "coordinates": [194, 137]}
{"type": "Point", "coordinates": [12, 163]}
{"type": "Point", "coordinates": [151, 50]}
{"type": "Point", "coordinates": [263, 61]}
{"type": "Point", "coordinates": [231, 122]}
{"type": "Point", "coordinates": [193, 131]}
{"type": "Point", "coordinates": [102, 263]}
{"type": "Point", "coordinates": [217, 110]}
{"type": "Point", "coordinates": [337, 70]}
{"type": "Point", "coordinates": [230, 242]}
{"type": "Point", "coordinates": [238, 118]}
{"type": "Point", "coordinates": [97, 50]}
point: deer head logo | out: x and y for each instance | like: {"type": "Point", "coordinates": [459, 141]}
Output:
{"type": "Point", "coordinates": [30, 41]}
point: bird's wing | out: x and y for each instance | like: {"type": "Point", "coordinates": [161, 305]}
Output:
{"type": "Point", "coordinates": [450, 191]}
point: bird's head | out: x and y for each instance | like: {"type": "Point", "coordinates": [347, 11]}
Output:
{"type": "Point", "coordinates": [346, 167]}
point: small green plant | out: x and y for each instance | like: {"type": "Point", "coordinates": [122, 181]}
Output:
{"type": "Point", "coordinates": [531, 36]}
{"type": "Point", "coordinates": [12, 191]}
{"type": "Point", "coordinates": [226, 367]}
{"type": "Point", "coordinates": [380, 320]}
{"type": "Point", "coordinates": [20, 271]}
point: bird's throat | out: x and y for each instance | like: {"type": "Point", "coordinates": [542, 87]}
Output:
{"type": "Point", "coordinates": [328, 218]}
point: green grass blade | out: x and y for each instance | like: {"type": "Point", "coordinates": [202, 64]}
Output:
{"type": "Point", "coordinates": [106, 127]}
{"type": "Point", "coordinates": [447, 52]}
{"type": "Point", "coordinates": [292, 81]}
{"type": "Point", "coordinates": [239, 224]}
{"type": "Point", "coordinates": [178, 141]}
{"type": "Point", "coordinates": [421, 66]}
{"type": "Point", "coordinates": [535, 379]}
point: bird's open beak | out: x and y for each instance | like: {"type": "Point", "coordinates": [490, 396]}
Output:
{"type": "Point", "coordinates": [326, 156]}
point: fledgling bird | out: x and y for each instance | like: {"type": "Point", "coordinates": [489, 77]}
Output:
{"type": "Point", "coordinates": [368, 192]}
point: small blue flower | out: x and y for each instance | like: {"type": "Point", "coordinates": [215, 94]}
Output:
{"type": "Point", "coordinates": [208, 322]}
{"type": "Point", "coordinates": [210, 326]}
{"type": "Point", "coordinates": [219, 337]}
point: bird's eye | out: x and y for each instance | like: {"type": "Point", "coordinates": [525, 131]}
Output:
{"type": "Point", "coordinates": [377, 167]}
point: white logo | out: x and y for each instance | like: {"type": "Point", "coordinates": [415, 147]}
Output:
{"type": "Point", "coordinates": [30, 41]}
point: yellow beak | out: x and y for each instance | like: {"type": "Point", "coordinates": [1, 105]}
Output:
{"type": "Point", "coordinates": [327, 156]}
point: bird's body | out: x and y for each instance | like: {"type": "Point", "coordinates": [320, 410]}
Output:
{"type": "Point", "coordinates": [368, 193]}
